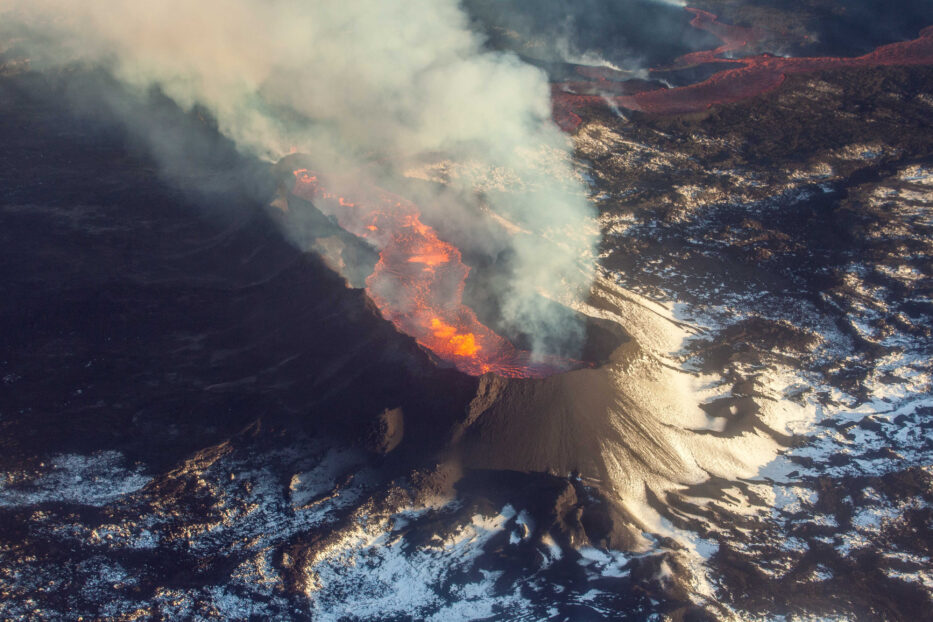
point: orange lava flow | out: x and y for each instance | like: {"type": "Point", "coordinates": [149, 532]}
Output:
{"type": "Point", "coordinates": [418, 282]}
{"type": "Point", "coordinates": [754, 75]}
{"type": "Point", "coordinates": [733, 38]}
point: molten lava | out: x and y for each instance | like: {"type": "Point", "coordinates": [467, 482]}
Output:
{"type": "Point", "coordinates": [418, 282]}
{"type": "Point", "coordinates": [755, 74]}
{"type": "Point", "coordinates": [733, 38]}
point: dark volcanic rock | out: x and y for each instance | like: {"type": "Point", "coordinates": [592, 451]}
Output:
{"type": "Point", "coordinates": [551, 425]}
{"type": "Point", "coordinates": [386, 431]}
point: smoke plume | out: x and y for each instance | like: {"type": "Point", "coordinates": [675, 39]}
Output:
{"type": "Point", "coordinates": [370, 89]}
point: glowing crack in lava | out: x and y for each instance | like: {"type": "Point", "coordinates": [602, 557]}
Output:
{"type": "Point", "coordinates": [754, 75]}
{"type": "Point", "coordinates": [418, 282]}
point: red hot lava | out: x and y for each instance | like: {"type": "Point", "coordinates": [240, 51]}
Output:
{"type": "Point", "coordinates": [418, 281]}
{"type": "Point", "coordinates": [733, 38]}
{"type": "Point", "coordinates": [756, 74]}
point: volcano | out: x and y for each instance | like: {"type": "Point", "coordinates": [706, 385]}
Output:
{"type": "Point", "coordinates": [238, 384]}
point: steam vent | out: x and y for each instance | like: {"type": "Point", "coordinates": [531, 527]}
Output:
{"type": "Point", "coordinates": [466, 310]}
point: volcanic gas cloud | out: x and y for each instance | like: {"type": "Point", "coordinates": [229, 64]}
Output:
{"type": "Point", "coordinates": [368, 85]}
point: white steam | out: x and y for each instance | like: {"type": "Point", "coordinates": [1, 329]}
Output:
{"type": "Point", "coordinates": [351, 83]}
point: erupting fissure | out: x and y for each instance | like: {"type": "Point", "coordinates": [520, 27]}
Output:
{"type": "Point", "coordinates": [418, 282]}
{"type": "Point", "coordinates": [754, 75]}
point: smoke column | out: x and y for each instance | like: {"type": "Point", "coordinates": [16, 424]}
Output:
{"type": "Point", "coordinates": [355, 83]}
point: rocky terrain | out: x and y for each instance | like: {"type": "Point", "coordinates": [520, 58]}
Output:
{"type": "Point", "coordinates": [200, 421]}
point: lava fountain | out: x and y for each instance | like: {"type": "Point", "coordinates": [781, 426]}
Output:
{"type": "Point", "coordinates": [418, 282]}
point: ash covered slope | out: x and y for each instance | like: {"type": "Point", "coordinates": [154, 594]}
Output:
{"type": "Point", "coordinates": [558, 424]}
{"type": "Point", "coordinates": [140, 316]}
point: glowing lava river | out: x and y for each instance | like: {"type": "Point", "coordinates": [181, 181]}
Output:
{"type": "Point", "coordinates": [418, 282]}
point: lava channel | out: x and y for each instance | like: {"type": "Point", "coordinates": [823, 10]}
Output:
{"type": "Point", "coordinates": [418, 282]}
{"type": "Point", "coordinates": [753, 76]}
